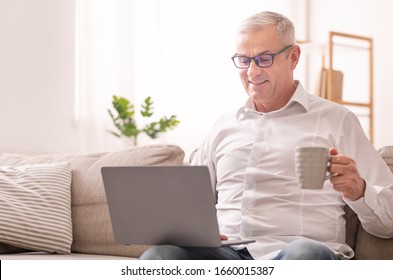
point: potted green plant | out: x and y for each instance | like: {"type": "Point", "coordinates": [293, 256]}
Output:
{"type": "Point", "coordinates": [123, 118]}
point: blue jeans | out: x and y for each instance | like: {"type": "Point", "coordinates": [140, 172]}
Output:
{"type": "Point", "coordinates": [303, 249]}
{"type": "Point", "coordinates": [296, 250]}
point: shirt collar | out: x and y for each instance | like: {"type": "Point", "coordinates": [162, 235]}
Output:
{"type": "Point", "coordinates": [298, 97]}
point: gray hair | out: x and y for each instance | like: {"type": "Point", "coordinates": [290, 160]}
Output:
{"type": "Point", "coordinates": [283, 25]}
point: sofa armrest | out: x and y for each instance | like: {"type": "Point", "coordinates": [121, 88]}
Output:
{"type": "Point", "coordinates": [370, 247]}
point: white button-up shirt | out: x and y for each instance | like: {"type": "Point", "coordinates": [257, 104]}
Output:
{"type": "Point", "coordinates": [250, 156]}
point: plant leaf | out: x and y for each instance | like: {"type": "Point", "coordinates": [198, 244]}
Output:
{"type": "Point", "coordinates": [147, 108]}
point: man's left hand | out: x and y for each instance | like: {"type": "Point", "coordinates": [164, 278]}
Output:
{"type": "Point", "coordinates": [346, 179]}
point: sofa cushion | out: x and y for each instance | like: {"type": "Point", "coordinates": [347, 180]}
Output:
{"type": "Point", "coordinates": [370, 247]}
{"type": "Point", "coordinates": [9, 249]}
{"type": "Point", "coordinates": [35, 208]}
{"type": "Point", "coordinates": [386, 153]}
{"type": "Point", "coordinates": [92, 230]}
{"type": "Point", "coordinates": [352, 227]}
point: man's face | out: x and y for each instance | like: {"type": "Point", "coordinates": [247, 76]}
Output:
{"type": "Point", "coordinates": [270, 88]}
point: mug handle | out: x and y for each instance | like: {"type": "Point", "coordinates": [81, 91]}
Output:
{"type": "Point", "coordinates": [329, 175]}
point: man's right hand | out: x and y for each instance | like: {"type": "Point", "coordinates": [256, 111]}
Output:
{"type": "Point", "coordinates": [223, 237]}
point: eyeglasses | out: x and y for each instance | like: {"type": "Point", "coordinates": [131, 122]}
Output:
{"type": "Point", "coordinates": [261, 60]}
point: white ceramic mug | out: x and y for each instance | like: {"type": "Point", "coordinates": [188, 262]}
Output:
{"type": "Point", "coordinates": [311, 165]}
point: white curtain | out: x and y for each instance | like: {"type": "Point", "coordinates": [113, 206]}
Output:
{"type": "Point", "coordinates": [176, 51]}
{"type": "Point", "coordinates": [97, 69]}
{"type": "Point", "coordinates": [115, 46]}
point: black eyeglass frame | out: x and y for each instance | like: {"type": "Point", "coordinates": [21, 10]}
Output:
{"type": "Point", "coordinates": [254, 58]}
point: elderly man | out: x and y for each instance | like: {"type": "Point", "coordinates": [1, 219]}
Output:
{"type": "Point", "coordinates": [250, 155]}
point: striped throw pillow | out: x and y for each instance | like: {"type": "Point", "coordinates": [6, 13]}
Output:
{"type": "Point", "coordinates": [35, 207]}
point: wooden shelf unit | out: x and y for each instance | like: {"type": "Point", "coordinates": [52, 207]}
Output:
{"type": "Point", "coordinates": [369, 104]}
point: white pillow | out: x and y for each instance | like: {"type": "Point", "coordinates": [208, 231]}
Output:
{"type": "Point", "coordinates": [35, 207]}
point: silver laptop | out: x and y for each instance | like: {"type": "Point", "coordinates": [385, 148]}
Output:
{"type": "Point", "coordinates": [155, 205]}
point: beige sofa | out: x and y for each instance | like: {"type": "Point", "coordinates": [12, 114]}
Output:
{"type": "Point", "coordinates": [91, 236]}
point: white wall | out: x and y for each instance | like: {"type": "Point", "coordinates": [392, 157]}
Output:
{"type": "Point", "coordinates": [203, 83]}
{"type": "Point", "coordinates": [37, 65]}
{"type": "Point", "coordinates": [37, 76]}
{"type": "Point", "coordinates": [366, 18]}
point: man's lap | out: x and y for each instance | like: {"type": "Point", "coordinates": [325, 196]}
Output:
{"type": "Point", "coordinates": [296, 250]}
{"type": "Point", "coordinates": [170, 252]}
